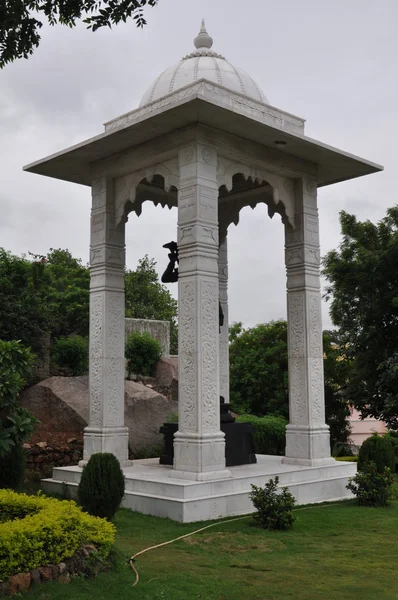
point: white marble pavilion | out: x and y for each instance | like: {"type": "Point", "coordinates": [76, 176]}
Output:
{"type": "Point", "coordinates": [206, 140]}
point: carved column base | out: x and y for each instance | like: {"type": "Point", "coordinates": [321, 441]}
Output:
{"type": "Point", "coordinates": [107, 439]}
{"type": "Point", "coordinates": [199, 457]}
{"type": "Point", "coordinates": [308, 446]}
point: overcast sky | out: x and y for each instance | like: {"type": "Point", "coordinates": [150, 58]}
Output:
{"type": "Point", "coordinates": [333, 63]}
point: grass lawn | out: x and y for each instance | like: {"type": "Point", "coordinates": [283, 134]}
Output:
{"type": "Point", "coordinates": [334, 552]}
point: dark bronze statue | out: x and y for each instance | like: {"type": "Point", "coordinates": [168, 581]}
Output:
{"type": "Point", "coordinates": [171, 274]}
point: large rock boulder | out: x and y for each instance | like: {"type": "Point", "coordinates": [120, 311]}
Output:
{"type": "Point", "coordinates": [166, 371]}
{"type": "Point", "coordinates": [145, 411]}
{"type": "Point", "coordinates": [62, 405]}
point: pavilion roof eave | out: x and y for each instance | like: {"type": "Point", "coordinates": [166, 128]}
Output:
{"type": "Point", "coordinates": [74, 164]}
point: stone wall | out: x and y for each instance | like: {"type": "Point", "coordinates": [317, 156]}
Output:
{"type": "Point", "coordinates": [42, 457]}
{"type": "Point", "coordinates": [159, 330]}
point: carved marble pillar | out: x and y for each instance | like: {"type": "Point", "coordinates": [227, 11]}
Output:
{"type": "Point", "coordinates": [307, 435]}
{"type": "Point", "coordinates": [106, 431]}
{"type": "Point", "coordinates": [224, 331]}
{"type": "Point", "coordinates": [199, 445]}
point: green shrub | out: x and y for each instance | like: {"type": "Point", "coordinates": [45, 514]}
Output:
{"type": "Point", "coordinates": [379, 450]}
{"type": "Point", "coordinates": [71, 353]}
{"type": "Point", "coordinates": [269, 435]}
{"type": "Point", "coordinates": [42, 531]}
{"type": "Point", "coordinates": [101, 487]}
{"type": "Point", "coordinates": [142, 354]}
{"type": "Point", "coordinates": [347, 458]}
{"type": "Point", "coordinates": [371, 486]}
{"type": "Point", "coordinates": [12, 467]}
{"type": "Point", "coordinates": [274, 507]}
{"type": "Point", "coordinates": [392, 436]}
{"type": "Point", "coordinates": [16, 423]}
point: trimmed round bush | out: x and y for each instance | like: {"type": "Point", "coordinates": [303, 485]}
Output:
{"type": "Point", "coordinates": [142, 354]}
{"type": "Point", "coordinates": [12, 467]}
{"type": "Point", "coordinates": [378, 450]}
{"type": "Point", "coordinates": [269, 435]}
{"type": "Point", "coordinates": [101, 487]}
{"type": "Point", "coordinates": [71, 353]}
{"type": "Point", "coordinates": [38, 531]}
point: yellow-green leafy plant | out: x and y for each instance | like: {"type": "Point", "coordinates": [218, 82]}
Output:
{"type": "Point", "coordinates": [42, 530]}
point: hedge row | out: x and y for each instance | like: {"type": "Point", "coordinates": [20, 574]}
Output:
{"type": "Point", "coordinates": [269, 433]}
{"type": "Point", "coordinates": [36, 531]}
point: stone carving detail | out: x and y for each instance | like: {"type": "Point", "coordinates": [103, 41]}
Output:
{"type": "Point", "coordinates": [224, 331]}
{"type": "Point", "coordinates": [316, 361]}
{"type": "Point", "coordinates": [98, 186]}
{"type": "Point", "coordinates": [296, 324]}
{"type": "Point", "coordinates": [186, 156]}
{"type": "Point", "coordinates": [297, 370]}
{"type": "Point", "coordinates": [95, 392]}
{"type": "Point", "coordinates": [209, 341]}
{"type": "Point", "coordinates": [294, 256]}
{"type": "Point", "coordinates": [311, 186]}
{"type": "Point", "coordinates": [207, 154]}
{"type": "Point", "coordinates": [96, 336]}
{"type": "Point", "coordinates": [96, 331]}
{"type": "Point", "coordinates": [194, 234]}
{"type": "Point", "coordinates": [115, 343]}
{"type": "Point", "coordinates": [237, 102]}
{"type": "Point", "coordinates": [186, 366]}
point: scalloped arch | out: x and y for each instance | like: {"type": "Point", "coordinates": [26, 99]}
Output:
{"type": "Point", "coordinates": [282, 188]}
{"type": "Point", "coordinates": [126, 198]}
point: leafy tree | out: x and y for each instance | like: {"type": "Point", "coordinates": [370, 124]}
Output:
{"type": "Point", "coordinates": [259, 375]}
{"type": "Point", "coordinates": [67, 293]}
{"type": "Point", "coordinates": [147, 298]}
{"type": "Point", "coordinates": [337, 370]}
{"type": "Point", "coordinates": [258, 369]}
{"type": "Point", "coordinates": [363, 287]}
{"type": "Point", "coordinates": [23, 316]}
{"type": "Point", "coordinates": [19, 27]}
{"type": "Point", "coordinates": [50, 294]}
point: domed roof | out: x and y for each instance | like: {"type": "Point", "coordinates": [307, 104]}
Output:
{"type": "Point", "coordinates": [203, 63]}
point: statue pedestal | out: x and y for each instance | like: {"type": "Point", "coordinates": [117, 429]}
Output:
{"type": "Point", "coordinates": [239, 449]}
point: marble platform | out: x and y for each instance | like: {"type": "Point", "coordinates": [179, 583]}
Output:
{"type": "Point", "coordinates": [150, 490]}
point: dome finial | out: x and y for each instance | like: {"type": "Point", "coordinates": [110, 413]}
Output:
{"type": "Point", "coordinates": [203, 40]}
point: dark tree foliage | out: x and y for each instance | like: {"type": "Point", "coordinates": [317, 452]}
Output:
{"type": "Point", "coordinates": [259, 375]}
{"type": "Point", "coordinates": [363, 289]}
{"type": "Point", "coordinates": [337, 369]}
{"type": "Point", "coordinates": [50, 294]}
{"type": "Point", "coordinates": [258, 369]}
{"type": "Point", "coordinates": [147, 298]}
{"type": "Point", "coordinates": [21, 20]}
{"type": "Point", "coordinates": [22, 314]}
